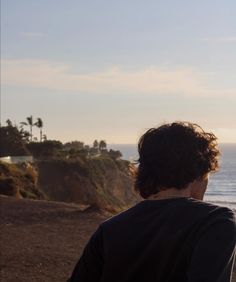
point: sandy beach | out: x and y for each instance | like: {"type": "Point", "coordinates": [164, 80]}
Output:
{"type": "Point", "coordinates": [41, 241]}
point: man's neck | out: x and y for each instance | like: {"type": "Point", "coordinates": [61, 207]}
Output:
{"type": "Point", "coordinates": [171, 193]}
{"type": "Point", "coordinates": [195, 189]}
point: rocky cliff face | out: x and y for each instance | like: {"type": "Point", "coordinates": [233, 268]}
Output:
{"type": "Point", "coordinates": [100, 182]}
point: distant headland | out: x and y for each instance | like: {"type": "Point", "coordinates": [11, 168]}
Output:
{"type": "Point", "coordinates": [39, 168]}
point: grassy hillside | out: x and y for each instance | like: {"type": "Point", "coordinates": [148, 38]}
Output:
{"type": "Point", "coordinates": [19, 181]}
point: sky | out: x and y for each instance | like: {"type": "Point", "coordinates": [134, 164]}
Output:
{"type": "Point", "coordinates": [112, 69]}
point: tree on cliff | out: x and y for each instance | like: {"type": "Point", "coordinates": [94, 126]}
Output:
{"type": "Point", "coordinates": [39, 124]}
{"type": "Point", "coordinates": [25, 135]}
{"type": "Point", "coordinates": [102, 145]}
{"type": "Point", "coordinates": [115, 154]}
{"type": "Point", "coordinates": [9, 122]}
{"type": "Point", "coordinates": [95, 144]}
{"type": "Point", "coordinates": [77, 145]}
{"type": "Point", "coordinates": [45, 150]}
{"type": "Point", "coordinates": [29, 123]}
{"type": "Point", "coordinates": [11, 142]}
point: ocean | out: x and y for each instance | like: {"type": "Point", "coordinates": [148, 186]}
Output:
{"type": "Point", "coordinates": [222, 184]}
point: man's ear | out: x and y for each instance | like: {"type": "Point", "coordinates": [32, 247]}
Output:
{"type": "Point", "coordinates": [198, 187]}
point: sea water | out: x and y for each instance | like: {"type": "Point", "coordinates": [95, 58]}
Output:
{"type": "Point", "coordinates": [222, 184]}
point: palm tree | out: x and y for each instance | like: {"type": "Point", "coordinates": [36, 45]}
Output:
{"type": "Point", "coordinates": [30, 124]}
{"type": "Point", "coordinates": [39, 124]}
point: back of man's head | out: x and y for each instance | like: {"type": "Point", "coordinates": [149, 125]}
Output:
{"type": "Point", "coordinates": [174, 155]}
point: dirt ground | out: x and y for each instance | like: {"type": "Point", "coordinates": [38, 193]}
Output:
{"type": "Point", "coordinates": [41, 241]}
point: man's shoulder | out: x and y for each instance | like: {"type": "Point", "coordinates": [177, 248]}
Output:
{"type": "Point", "coordinates": [212, 209]}
{"type": "Point", "coordinates": [215, 215]}
{"type": "Point", "coordinates": [186, 210]}
{"type": "Point", "coordinates": [124, 218]}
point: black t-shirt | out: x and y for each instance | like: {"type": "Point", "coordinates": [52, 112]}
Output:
{"type": "Point", "coordinates": [169, 240]}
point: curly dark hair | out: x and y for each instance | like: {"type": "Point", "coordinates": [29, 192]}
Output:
{"type": "Point", "coordinates": [174, 155]}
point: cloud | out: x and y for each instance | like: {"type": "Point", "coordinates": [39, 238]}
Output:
{"type": "Point", "coordinates": [150, 80]}
{"type": "Point", "coordinates": [226, 39]}
{"type": "Point", "coordinates": [32, 34]}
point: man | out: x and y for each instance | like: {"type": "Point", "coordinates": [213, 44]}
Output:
{"type": "Point", "coordinates": [172, 235]}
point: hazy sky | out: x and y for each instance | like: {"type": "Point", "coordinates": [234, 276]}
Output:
{"type": "Point", "coordinates": [111, 69]}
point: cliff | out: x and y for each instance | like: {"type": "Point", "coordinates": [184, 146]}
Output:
{"type": "Point", "coordinates": [101, 182]}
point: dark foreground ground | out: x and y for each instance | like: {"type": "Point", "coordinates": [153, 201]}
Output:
{"type": "Point", "coordinates": [41, 241]}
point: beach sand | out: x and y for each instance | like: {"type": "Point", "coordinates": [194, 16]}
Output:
{"type": "Point", "coordinates": [41, 241]}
